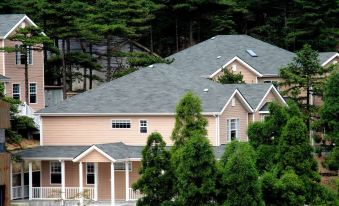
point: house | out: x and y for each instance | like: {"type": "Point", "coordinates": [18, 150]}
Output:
{"type": "Point", "coordinates": [12, 66]}
{"type": "Point", "coordinates": [94, 140]}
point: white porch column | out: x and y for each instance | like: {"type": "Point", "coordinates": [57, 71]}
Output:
{"type": "Point", "coordinates": [30, 179]}
{"type": "Point", "coordinates": [22, 179]}
{"type": "Point", "coordinates": [112, 185]}
{"type": "Point", "coordinates": [127, 180]}
{"type": "Point", "coordinates": [11, 179]}
{"type": "Point", "coordinates": [81, 187]}
{"type": "Point", "coordinates": [63, 189]}
{"type": "Point", "coordinates": [96, 182]}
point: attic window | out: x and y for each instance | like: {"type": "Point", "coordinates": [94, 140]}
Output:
{"type": "Point", "coordinates": [251, 52]}
{"type": "Point", "coordinates": [234, 67]}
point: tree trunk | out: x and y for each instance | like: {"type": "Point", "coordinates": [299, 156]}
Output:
{"type": "Point", "coordinates": [176, 34]}
{"type": "Point", "coordinates": [308, 106]}
{"type": "Point", "coordinates": [70, 76]}
{"type": "Point", "coordinates": [26, 49]}
{"type": "Point", "coordinates": [90, 69]}
{"type": "Point", "coordinates": [191, 32]}
{"type": "Point", "coordinates": [108, 54]}
{"type": "Point", "coordinates": [151, 39]}
{"type": "Point", "coordinates": [64, 76]}
{"type": "Point", "coordinates": [83, 48]}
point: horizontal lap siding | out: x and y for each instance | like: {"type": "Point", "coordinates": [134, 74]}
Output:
{"type": "Point", "coordinates": [2, 54]}
{"type": "Point", "coordinates": [94, 156]}
{"type": "Point", "coordinates": [238, 111]}
{"type": "Point", "coordinates": [16, 75]}
{"type": "Point", "coordinates": [96, 130]}
{"type": "Point", "coordinates": [248, 76]}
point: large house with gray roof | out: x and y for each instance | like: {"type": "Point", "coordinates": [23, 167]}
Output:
{"type": "Point", "coordinates": [94, 140]}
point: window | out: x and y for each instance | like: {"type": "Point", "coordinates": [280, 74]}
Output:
{"type": "Point", "coordinates": [20, 58]}
{"type": "Point", "coordinates": [16, 91]}
{"type": "Point", "coordinates": [143, 126]}
{"type": "Point", "coordinates": [120, 166]}
{"type": "Point", "coordinates": [233, 129]}
{"type": "Point", "coordinates": [233, 102]}
{"type": "Point", "coordinates": [32, 93]}
{"type": "Point", "coordinates": [90, 173]}
{"type": "Point", "coordinates": [55, 170]}
{"type": "Point", "coordinates": [121, 124]}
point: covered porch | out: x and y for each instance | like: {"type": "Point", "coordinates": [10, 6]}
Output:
{"type": "Point", "coordinates": [85, 174]}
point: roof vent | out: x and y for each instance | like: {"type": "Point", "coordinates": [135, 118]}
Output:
{"type": "Point", "coordinates": [151, 66]}
{"type": "Point", "coordinates": [218, 57]}
{"type": "Point", "coordinates": [251, 52]}
{"type": "Point", "coordinates": [206, 90]}
{"type": "Point", "coordinates": [213, 38]}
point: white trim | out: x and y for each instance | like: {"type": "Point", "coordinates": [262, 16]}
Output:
{"type": "Point", "coordinates": [123, 170]}
{"type": "Point", "coordinates": [96, 180]}
{"type": "Point", "coordinates": [3, 61]}
{"type": "Point", "coordinates": [129, 159]}
{"type": "Point", "coordinates": [242, 99]}
{"type": "Point", "coordinates": [268, 91]}
{"type": "Point", "coordinates": [127, 180]}
{"type": "Point", "coordinates": [19, 90]}
{"type": "Point", "coordinates": [17, 24]}
{"type": "Point", "coordinates": [41, 132]}
{"type": "Point", "coordinates": [264, 112]}
{"type": "Point", "coordinates": [22, 176]}
{"type": "Point", "coordinates": [36, 92]}
{"type": "Point", "coordinates": [47, 158]}
{"type": "Point", "coordinates": [247, 128]}
{"type": "Point", "coordinates": [89, 150]}
{"type": "Point", "coordinates": [81, 184]}
{"type": "Point", "coordinates": [242, 62]}
{"type": "Point", "coordinates": [50, 173]}
{"type": "Point", "coordinates": [114, 114]}
{"type": "Point", "coordinates": [330, 59]}
{"type": "Point", "coordinates": [112, 184]}
{"type": "Point", "coordinates": [216, 130]}
{"type": "Point", "coordinates": [228, 131]}
{"type": "Point", "coordinates": [30, 180]}
{"type": "Point", "coordinates": [130, 123]}
{"type": "Point", "coordinates": [143, 126]}
{"type": "Point", "coordinates": [11, 179]}
{"type": "Point", "coordinates": [63, 182]}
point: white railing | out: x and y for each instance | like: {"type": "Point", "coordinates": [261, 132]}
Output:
{"type": "Point", "coordinates": [54, 193]}
{"type": "Point", "coordinates": [26, 191]}
{"type": "Point", "coordinates": [16, 192]}
{"type": "Point", "coordinates": [134, 195]}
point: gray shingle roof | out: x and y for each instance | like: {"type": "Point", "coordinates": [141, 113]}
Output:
{"type": "Point", "coordinates": [8, 21]}
{"type": "Point", "coordinates": [202, 58]}
{"type": "Point", "coordinates": [153, 90]}
{"type": "Point", "coordinates": [115, 150]}
{"type": "Point", "coordinates": [3, 78]}
{"type": "Point", "coordinates": [323, 56]}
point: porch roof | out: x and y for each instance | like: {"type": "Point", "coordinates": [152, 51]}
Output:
{"type": "Point", "coordinates": [117, 151]}
{"type": "Point", "coordinates": [4, 78]}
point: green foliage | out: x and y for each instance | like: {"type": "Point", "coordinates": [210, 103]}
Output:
{"type": "Point", "coordinates": [156, 176]}
{"type": "Point", "coordinates": [229, 77]}
{"type": "Point", "coordinates": [195, 171]}
{"type": "Point", "coordinates": [141, 59]}
{"type": "Point", "coordinates": [188, 119]}
{"type": "Point", "coordinates": [332, 161]}
{"type": "Point", "coordinates": [239, 176]}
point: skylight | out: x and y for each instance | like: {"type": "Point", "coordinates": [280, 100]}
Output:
{"type": "Point", "coordinates": [251, 52]}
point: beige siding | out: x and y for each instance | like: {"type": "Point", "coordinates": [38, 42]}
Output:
{"type": "Point", "coordinates": [97, 130]}
{"type": "Point", "coordinates": [104, 176]}
{"type": "Point", "coordinates": [237, 111]}
{"type": "Point", "coordinates": [2, 55]}
{"type": "Point", "coordinates": [16, 75]}
{"type": "Point", "coordinates": [94, 156]}
{"type": "Point", "coordinates": [248, 76]}
{"type": "Point", "coordinates": [271, 97]}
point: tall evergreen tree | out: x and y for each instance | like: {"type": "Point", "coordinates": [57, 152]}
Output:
{"type": "Point", "coordinates": [156, 175]}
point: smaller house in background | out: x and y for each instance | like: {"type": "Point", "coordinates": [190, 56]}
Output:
{"type": "Point", "coordinates": [99, 49]}
{"type": "Point", "coordinates": [12, 64]}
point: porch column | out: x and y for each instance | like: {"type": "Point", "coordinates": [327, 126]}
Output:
{"type": "Point", "coordinates": [30, 179]}
{"type": "Point", "coordinates": [11, 179]}
{"type": "Point", "coordinates": [112, 185]}
{"type": "Point", "coordinates": [81, 188]}
{"type": "Point", "coordinates": [96, 182]}
{"type": "Point", "coordinates": [127, 180]}
{"type": "Point", "coordinates": [63, 180]}
{"type": "Point", "coordinates": [22, 179]}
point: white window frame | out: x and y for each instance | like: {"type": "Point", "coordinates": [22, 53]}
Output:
{"type": "Point", "coordinates": [237, 129]}
{"type": "Point", "coordinates": [50, 173]}
{"type": "Point", "coordinates": [121, 121]}
{"type": "Point", "coordinates": [143, 126]}
{"type": "Point", "coordinates": [120, 166]}
{"type": "Point", "coordinates": [36, 92]}
{"type": "Point", "coordinates": [18, 56]}
{"type": "Point", "coordinates": [233, 102]}
{"type": "Point", "coordinates": [16, 93]}
{"type": "Point", "coordinates": [87, 173]}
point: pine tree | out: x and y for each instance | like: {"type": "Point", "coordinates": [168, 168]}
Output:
{"type": "Point", "coordinates": [239, 176]}
{"type": "Point", "coordinates": [156, 175]}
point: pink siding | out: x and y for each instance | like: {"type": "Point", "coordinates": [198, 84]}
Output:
{"type": "Point", "coordinates": [237, 111]}
{"type": "Point", "coordinates": [96, 130]}
{"type": "Point", "coordinates": [94, 156]}
{"type": "Point", "coordinates": [248, 76]}
{"type": "Point", "coordinates": [16, 75]}
{"type": "Point", "coordinates": [104, 176]}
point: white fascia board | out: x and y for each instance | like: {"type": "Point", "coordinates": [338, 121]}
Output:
{"type": "Point", "coordinates": [242, 62]}
{"type": "Point", "coordinates": [272, 88]}
{"type": "Point", "coordinates": [330, 59]}
{"type": "Point", "coordinates": [17, 24]}
{"type": "Point", "coordinates": [113, 114]}
{"type": "Point", "coordinates": [242, 100]}
{"type": "Point", "coordinates": [89, 150]}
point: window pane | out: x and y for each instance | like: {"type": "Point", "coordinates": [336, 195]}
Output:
{"type": "Point", "coordinates": [121, 124]}
{"type": "Point", "coordinates": [90, 179]}
{"type": "Point", "coordinates": [56, 178]}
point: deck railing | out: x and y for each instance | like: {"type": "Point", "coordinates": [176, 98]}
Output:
{"type": "Point", "coordinates": [134, 195]}
{"type": "Point", "coordinates": [16, 192]}
{"type": "Point", "coordinates": [54, 193]}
